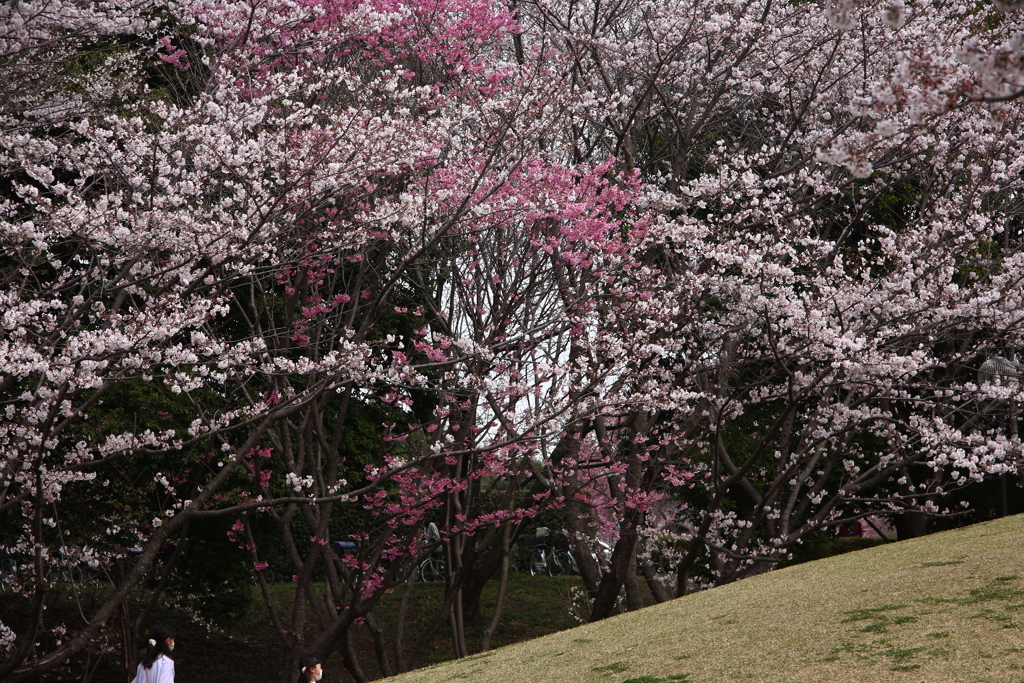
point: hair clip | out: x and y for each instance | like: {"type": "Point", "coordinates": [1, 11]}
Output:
{"type": "Point", "coordinates": [152, 642]}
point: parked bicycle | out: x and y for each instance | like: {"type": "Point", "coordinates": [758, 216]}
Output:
{"type": "Point", "coordinates": [433, 568]}
{"type": "Point", "coordinates": [268, 576]}
{"type": "Point", "coordinates": [8, 571]}
{"type": "Point", "coordinates": [549, 553]}
{"type": "Point", "coordinates": [64, 569]}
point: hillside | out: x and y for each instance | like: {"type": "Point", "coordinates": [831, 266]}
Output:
{"type": "Point", "coordinates": [946, 607]}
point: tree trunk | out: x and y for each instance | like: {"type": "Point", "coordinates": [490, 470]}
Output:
{"type": "Point", "coordinates": [683, 568]}
{"type": "Point", "coordinates": [379, 647]}
{"type": "Point", "coordinates": [485, 640]}
{"type": "Point", "coordinates": [482, 572]}
{"type": "Point", "coordinates": [634, 600]}
{"type": "Point", "coordinates": [403, 610]}
{"type": "Point", "coordinates": [658, 590]}
{"type": "Point", "coordinates": [611, 584]}
{"type": "Point", "coordinates": [911, 524]}
{"type": "Point", "coordinates": [351, 659]}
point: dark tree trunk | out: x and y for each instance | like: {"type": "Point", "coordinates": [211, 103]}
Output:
{"type": "Point", "coordinates": [611, 584]}
{"type": "Point", "coordinates": [634, 600]}
{"type": "Point", "coordinates": [483, 571]}
{"type": "Point", "coordinates": [658, 590]}
{"type": "Point", "coordinates": [911, 524]}
{"type": "Point", "coordinates": [348, 654]}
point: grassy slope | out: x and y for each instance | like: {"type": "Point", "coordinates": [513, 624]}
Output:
{"type": "Point", "coordinates": [947, 607]}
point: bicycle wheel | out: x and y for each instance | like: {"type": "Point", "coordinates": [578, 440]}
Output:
{"type": "Point", "coordinates": [539, 563]}
{"type": "Point", "coordinates": [8, 575]}
{"type": "Point", "coordinates": [432, 569]}
{"type": "Point", "coordinates": [561, 563]}
{"type": "Point", "coordinates": [64, 574]}
{"type": "Point", "coordinates": [268, 576]}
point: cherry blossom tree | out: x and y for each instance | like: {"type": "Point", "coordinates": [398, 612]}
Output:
{"type": "Point", "coordinates": [715, 278]}
{"type": "Point", "coordinates": [236, 242]}
{"type": "Point", "coordinates": [836, 256]}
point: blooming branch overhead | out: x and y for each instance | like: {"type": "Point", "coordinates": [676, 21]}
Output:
{"type": "Point", "coordinates": [703, 280]}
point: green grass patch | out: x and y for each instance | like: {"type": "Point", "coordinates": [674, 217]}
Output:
{"type": "Point", "coordinates": [879, 618]}
{"type": "Point", "coordinates": [902, 654]}
{"type": "Point", "coordinates": [870, 612]}
{"type": "Point", "coordinates": [613, 668]}
{"type": "Point", "coordinates": [674, 678]}
{"type": "Point", "coordinates": [992, 592]}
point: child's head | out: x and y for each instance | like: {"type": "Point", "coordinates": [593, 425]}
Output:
{"type": "Point", "coordinates": [310, 668]}
{"type": "Point", "coordinates": [159, 642]}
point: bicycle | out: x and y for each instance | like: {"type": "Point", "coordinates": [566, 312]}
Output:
{"type": "Point", "coordinates": [551, 559]}
{"type": "Point", "coordinates": [433, 568]}
{"type": "Point", "coordinates": [268, 576]}
{"type": "Point", "coordinates": [64, 569]}
{"type": "Point", "coordinates": [8, 572]}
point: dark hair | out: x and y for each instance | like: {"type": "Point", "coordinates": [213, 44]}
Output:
{"type": "Point", "coordinates": [156, 644]}
{"type": "Point", "coordinates": [306, 662]}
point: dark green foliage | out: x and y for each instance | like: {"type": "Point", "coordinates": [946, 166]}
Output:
{"type": "Point", "coordinates": [213, 577]}
{"type": "Point", "coordinates": [821, 546]}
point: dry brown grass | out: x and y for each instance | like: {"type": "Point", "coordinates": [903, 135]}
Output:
{"type": "Point", "coordinates": [947, 607]}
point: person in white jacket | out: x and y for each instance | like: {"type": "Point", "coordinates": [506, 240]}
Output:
{"type": "Point", "coordinates": [156, 665]}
